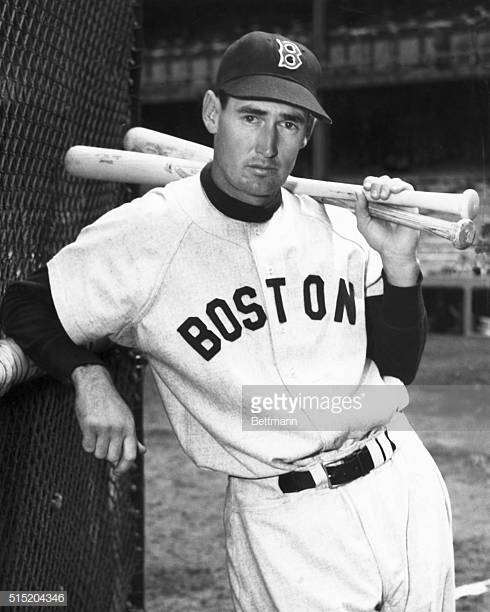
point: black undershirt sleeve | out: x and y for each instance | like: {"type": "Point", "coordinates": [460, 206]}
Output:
{"type": "Point", "coordinates": [396, 327]}
{"type": "Point", "coordinates": [28, 315]}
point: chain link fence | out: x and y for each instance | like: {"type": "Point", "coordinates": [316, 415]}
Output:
{"type": "Point", "coordinates": [69, 74]}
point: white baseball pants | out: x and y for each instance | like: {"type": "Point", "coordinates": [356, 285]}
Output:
{"type": "Point", "coordinates": [381, 542]}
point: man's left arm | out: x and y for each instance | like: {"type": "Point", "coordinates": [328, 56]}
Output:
{"type": "Point", "coordinates": [396, 327]}
{"type": "Point", "coordinates": [396, 321]}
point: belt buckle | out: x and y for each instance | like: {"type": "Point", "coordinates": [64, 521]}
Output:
{"type": "Point", "coordinates": [356, 456]}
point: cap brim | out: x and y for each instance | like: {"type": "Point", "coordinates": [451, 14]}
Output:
{"type": "Point", "coordinates": [271, 87]}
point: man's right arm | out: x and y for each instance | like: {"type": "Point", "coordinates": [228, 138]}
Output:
{"type": "Point", "coordinates": [106, 422]}
{"type": "Point", "coordinates": [28, 315]}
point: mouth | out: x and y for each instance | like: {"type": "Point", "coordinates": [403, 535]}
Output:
{"type": "Point", "coordinates": [263, 170]}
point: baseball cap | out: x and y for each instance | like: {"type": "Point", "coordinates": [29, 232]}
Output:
{"type": "Point", "coordinates": [266, 66]}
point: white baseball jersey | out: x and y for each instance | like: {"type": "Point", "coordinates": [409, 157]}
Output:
{"type": "Point", "coordinates": [216, 303]}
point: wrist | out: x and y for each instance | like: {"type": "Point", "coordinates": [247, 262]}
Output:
{"type": "Point", "coordinates": [88, 374]}
{"type": "Point", "coordinates": [401, 272]}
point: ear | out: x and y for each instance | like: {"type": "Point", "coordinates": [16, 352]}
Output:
{"type": "Point", "coordinates": [310, 126]}
{"type": "Point", "coordinates": [211, 109]}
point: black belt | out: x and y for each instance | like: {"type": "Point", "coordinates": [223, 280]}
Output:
{"type": "Point", "coordinates": [358, 464]}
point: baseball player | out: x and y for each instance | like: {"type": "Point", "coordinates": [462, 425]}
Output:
{"type": "Point", "coordinates": [235, 288]}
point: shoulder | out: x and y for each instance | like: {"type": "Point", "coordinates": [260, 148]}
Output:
{"type": "Point", "coordinates": [157, 214]}
{"type": "Point", "coordinates": [161, 205]}
{"type": "Point", "coordinates": [180, 190]}
{"type": "Point", "coordinates": [150, 227]}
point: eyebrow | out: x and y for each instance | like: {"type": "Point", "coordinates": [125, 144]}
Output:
{"type": "Point", "coordinates": [253, 110]}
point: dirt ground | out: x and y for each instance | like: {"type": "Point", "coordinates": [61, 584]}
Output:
{"type": "Point", "coordinates": [184, 547]}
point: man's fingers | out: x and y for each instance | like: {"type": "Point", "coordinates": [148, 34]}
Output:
{"type": "Point", "coordinates": [114, 452]}
{"type": "Point", "coordinates": [88, 441]}
{"type": "Point", "coordinates": [362, 212]}
{"type": "Point", "coordinates": [376, 185]}
{"type": "Point", "coordinates": [384, 192]}
{"type": "Point", "coordinates": [397, 185]}
{"type": "Point", "coordinates": [101, 447]}
{"type": "Point", "coordinates": [128, 456]}
{"type": "Point", "coordinates": [368, 181]}
{"type": "Point", "coordinates": [381, 187]}
{"type": "Point", "coordinates": [130, 447]}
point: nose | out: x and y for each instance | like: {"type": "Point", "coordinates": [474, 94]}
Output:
{"type": "Point", "coordinates": [266, 144]}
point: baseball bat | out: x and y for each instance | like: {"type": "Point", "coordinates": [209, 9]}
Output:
{"type": "Point", "coordinates": [144, 140]}
{"type": "Point", "coordinates": [135, 167]}
{"type": "Point", "coordinates": [15, 366]}
{"type": "Point", "coordinates": [464, 205]}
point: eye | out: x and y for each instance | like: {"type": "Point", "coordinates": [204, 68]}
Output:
{"type": "Point", "coordinates": [290, 125]}
{"type": "Point", "coordinates": [249, 118]}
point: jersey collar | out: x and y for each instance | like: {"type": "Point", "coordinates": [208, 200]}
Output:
{"type": "Point", "coordinates": [234, 208]}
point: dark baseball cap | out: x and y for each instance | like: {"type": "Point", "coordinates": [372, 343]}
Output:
{"type": "Point", "coordinates": [265, 66]}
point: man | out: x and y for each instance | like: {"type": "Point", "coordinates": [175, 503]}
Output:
{"type": "Point", "coordinates": [225, 281]}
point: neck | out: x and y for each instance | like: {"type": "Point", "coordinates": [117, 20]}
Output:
{"type": "Point", "coordinates": [233, 207]}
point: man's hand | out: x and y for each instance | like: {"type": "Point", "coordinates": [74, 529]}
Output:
{"type": "Point", "coordinates": [396, 244]}
{"type": "Point", "coordinates": [105, 420]}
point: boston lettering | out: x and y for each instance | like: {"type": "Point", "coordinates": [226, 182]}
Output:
{"type": "Point", "coordinates": [225, 321]}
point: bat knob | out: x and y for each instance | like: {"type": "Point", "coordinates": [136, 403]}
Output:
{"type": "Point", "coordinates": [471, 204]}
{"type": "Point", "coordinates": [464, 233]}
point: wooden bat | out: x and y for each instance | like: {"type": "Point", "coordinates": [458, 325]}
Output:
{"type": "Point", "coordinates": [134, 167]}
{"type": "Point", "coordinates": [464, 205]}
{"type": "Point", "coordinates": [15, 366]}
{"type": "Point", "coordinates": [143, 140]}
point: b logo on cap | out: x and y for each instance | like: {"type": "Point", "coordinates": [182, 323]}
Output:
{"type": "Point", "coordinates": [289, 54]}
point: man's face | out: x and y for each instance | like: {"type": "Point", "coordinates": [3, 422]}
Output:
{"type": "Point", "coordinates": [255, 147]}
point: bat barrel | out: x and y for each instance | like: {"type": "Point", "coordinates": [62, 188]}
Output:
{"type": "Point", "coordinates": [127, 166]}
{"type": "Point", "coordinates": [464, 205]}
{"type": "Point", "coordinates": [15, 367]}
{"type": "Point", "coordinates": [463, 234]}
{"type": "Point", "coordinates": [460, 233]}
{"type": "Point", "coordinates": [472, 204]}
{"type": "Point", "coordinates": [149, 141]}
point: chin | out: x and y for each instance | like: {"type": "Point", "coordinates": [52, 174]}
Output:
{"type": "Point", "coordinates": [259, 198]}
{"type": "Point", "coordinates": [263, 189]}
